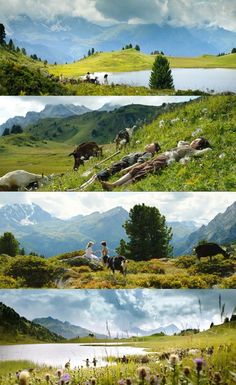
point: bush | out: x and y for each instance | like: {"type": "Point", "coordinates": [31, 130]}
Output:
{"type": "Point", "coordinates": [35, 271]}
{"type": "Point", "coordinates": [218, 266]}
{"type": "Point", "coordinates": [82, 269]}
{"type": "Point", "coordinates": [85, 262]}
{"type": "Point", "coordinates": [9, 283]}
{"type": "Point", "coordinates": [185, 262]}
{"type": "Point", "coordinates": [229, 283]}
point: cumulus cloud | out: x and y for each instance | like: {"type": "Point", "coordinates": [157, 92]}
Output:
{"type": "Point", "coordinates": [124, 310]}
{"type": "Point", "coordinates": [175, 12]}
{"type": "Point", "coordinates": [176, 206]}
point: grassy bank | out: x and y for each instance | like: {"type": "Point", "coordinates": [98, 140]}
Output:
{"type": "Point", "coordinates": [132, 60]}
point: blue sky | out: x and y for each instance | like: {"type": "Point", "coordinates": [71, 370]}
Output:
{"type": "Point", "coordinates": [123, 309]}
{"type": "Point", "coordinates": [189, 13]}
{"type": "Point", "coordinates": [200, 207]}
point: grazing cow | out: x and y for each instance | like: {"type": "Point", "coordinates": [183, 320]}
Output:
{"type": "Point", "coordinates": [116, 263]}
{"type": "Point", "coordinates": [84, 151]}
{"type": "Point", "coordinates": [20, 180]}
{"type": "Point", "coordinates": [209, 250]}
{"type": "Point", "coordinates": [123, 137]}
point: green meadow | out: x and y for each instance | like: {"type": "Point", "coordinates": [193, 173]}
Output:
{"type": "Point", "coordinates": [203, 358]}
{"type": "Point", "coordinates": [132, 60]}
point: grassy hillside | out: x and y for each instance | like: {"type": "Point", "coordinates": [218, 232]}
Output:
{"type": "Point", "coordinates": [212, 117]}
{"type": "Point", "coordinates": [63, 272]}
{"type": "Point", "coordinates": [23, 151]}
{"type": "Point", "coordinates": [132, 60]}
{"type": "Point", "coordinates": [17, 329]}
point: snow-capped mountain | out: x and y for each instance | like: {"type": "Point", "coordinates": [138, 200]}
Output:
{"type": "Point", "coordinates": [22, 215]}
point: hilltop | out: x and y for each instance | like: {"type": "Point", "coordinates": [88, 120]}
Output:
{"type": "Point", "coordinates": [17, 329]}
{"type": "Point", "coordinates": [132, 60]}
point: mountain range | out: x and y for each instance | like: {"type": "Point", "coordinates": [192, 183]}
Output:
{"type": "Point", "coordinates": [100, 126]}
{"type": "Point", "coordinates": [65, 38]}
{"type": "Point", "coordinates": [12, 325]}
{"type": "Point", "coordinates": [39, 231]}
{"type": "Point", "coordinates": [65, 329]}
{"type": "Point", "coordinates": [52, 111]}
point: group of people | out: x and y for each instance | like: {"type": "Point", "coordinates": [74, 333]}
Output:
{"type": "Point", "coordinates": [91, 78]}
{"type": "Point", "coordinates": [135, 166]}
{"type": "Point", "coordinates": [89, 252]}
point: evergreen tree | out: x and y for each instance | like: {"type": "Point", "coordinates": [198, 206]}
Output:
{"type": "Point", "coordinates": [92, 51]}
{"type": "Point", "coordinates": [9, 245]}
{"type": "Point", "coordinates": [137, 47]}
{"type": "Point", "coordinates": [89, 52]}
{"type": "Point", "coordinates": [11, 45]}
{"type": "Point", "coordinates": [148, 234]}
{"type": "Point", "coordinates": [6, 132]}
{"type": "Point", "coordinates": [23, 50]}
{"type": "Point", "coordinates": [233, 50]}
{"type": "Point", "coordinates": [161, 77]}
{"type": "Point", "coordinates": [16, 129]}
{"type": "Point", "coordinates": [2, 34]}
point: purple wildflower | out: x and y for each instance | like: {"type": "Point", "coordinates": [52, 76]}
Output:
{"type": "Point", "coordinates": [199, 362]}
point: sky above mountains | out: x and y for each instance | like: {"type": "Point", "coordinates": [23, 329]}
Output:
{"type": "Point", "coordinates": [123, 309]}
{"type": "Point", "coordinates": [177, 13]}
{"type": "Point", "coordinates": [200, 207]}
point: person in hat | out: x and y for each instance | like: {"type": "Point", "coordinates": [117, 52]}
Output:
{"type": "Point", "coordinates": [89, 251]}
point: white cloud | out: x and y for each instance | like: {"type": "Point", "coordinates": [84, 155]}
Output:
{"type": "Point", "coordinates": [198, 206]}
{"type": "Point", "coordinates": [174, 12]}
{"type": "Point", "coordinates": [123, 309]}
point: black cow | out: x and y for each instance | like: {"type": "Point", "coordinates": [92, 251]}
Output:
{"type": "Point", "coordinates": [209, 250]}
{"type": "Point", "coordinates": [116, 263]}
{"type": "Point", "coordinates": [84, 151]}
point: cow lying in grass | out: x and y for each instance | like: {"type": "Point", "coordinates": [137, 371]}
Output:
{"type": "Point", "coordinates": [116, 263]}
{"type": "Point", "coordinates": [21, 180]}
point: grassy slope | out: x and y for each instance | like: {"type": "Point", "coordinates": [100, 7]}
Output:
{"type": "Point", "coordinates": [215, 171]}
{"type": "Point", "coordinates": [21, 152]}
{"type": "Point", "coordinates": [132, 60]}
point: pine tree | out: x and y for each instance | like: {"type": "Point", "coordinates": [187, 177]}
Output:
{"type": "Point", "coordinates": [2, 34]}
{"type": "Point", "coordinates": [161, 77]}
{"type": "Point", "coordinates": [9, 245]}
{"type": "Point", "coordinates": [148, 234]}
{"type": "Point", "coordinates": [11, 45]}
{"type": "Point", "coordinates": [137, 47]}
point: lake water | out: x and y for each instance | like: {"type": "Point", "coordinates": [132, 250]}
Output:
{"type": "Point", "coordinates": [59, 354]}
{"type": "Point", "coordinates": [216, 79]}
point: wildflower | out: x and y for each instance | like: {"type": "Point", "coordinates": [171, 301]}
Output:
{"type": "Point", "coordinates": [217, 377]}
{"type": "Point", "coordinates": [59, 373]}
{"type": "Point", "coordinates": [24, 377]}
{"type": "Point", "coordinates": [93, 381]}
{"type": "Point", "coordinates": [199, 363]}
{"type": "Point", "coordinates": [154, 380]}
{"type": "Point", "coordinates": [143, 372]}
{"type": "Point", "coordinates": [65, 378]}
{"type": "Point", "coordinates": [173, 359]}
{"type": "Point", "coordinates": [47, 377]}
{"type": "Point", "coordinates": [187, 371]}
{"type": "Point", "coordinates": [121, 382]}
{"type": "Point", "coordinates": [128, 381]}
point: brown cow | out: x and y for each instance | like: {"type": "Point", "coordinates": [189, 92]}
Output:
{"type": "Point", "coordinates": [84, 151]}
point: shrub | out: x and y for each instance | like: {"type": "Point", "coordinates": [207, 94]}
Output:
{"type": "Point", "coordinates": [82, 269]}
{"type": "Point", "coordinates": [9, 282]}
{"type": "Point", "coordinates": [185, 261]}
{"type": "Point", "coordinates": [218, 266]}
{"type": "Point", "coordinates": [229, 283]}
{"type": "Point", "coordinates": [35, 271]}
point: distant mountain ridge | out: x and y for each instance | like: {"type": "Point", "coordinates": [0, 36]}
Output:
{"type": "Point", "coordinates": [49, 111]}
{"type": "Point", "coordinates": [221, 229]}
{"type": "Point", "coordinates": [65, 329]}
{"type": "Point", "coordinates": [39, 231]}
{"type": "Point", "coordinates": [16, 327]}
{"type": "Point", "coordinates": [65, 38]}
{"type": "Point", "coordinates": [168, 329]}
